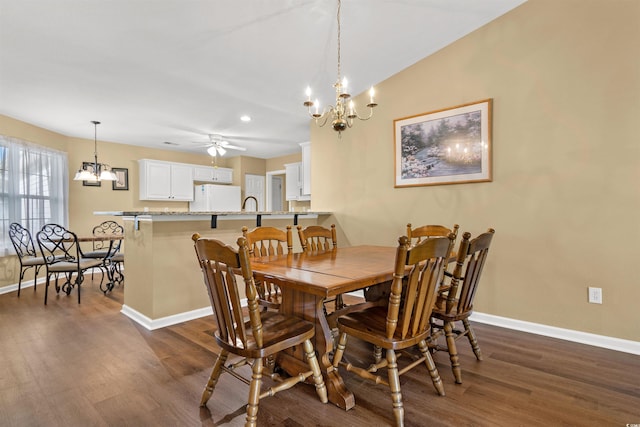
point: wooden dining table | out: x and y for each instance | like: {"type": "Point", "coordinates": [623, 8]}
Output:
{"type": "Point", "coordinates": [306, 280]}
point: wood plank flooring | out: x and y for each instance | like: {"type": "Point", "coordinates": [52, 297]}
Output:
{"type": "Point", "coordinates": [66, 364]}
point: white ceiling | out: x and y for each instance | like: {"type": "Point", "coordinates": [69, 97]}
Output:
{"type": "Point", "coordinates": [177, 70]}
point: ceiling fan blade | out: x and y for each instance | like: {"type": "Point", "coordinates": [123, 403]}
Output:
{"type": "Point", "coordinates": [233, 147]}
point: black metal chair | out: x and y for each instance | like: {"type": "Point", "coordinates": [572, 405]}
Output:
{"type": "Point", "coordinates": [26, 251]}
{"type": "Point", "coordinates": [62, 254]}
{"type": "Point", "coordinates": [108, 250]}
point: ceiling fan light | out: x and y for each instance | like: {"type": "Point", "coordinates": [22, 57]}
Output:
{"type": "Point", "coordinates": [222, 151]}
{"type": "Point", "coordinates": [212, 151]}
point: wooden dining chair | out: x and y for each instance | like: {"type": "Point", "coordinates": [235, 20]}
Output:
{"type": "Point", "coordinates": [316, 238]}
{"type": "Point", "coordinates": [108, 251]}
{"type": "Point", "coordinates": [416, 235]}
{"type": "Point", "coordinates": [63, 255]}
{"type": "Point", "coordinates": [27, 255]}
{"type": "Point", "coordinates": [455, 299]}
{"type": "Point", "coordinates": [402, 321]}
{"type": "Point", "coordinates": [262, 336]}
{"type": "Point", "coordinates": [268, 241]}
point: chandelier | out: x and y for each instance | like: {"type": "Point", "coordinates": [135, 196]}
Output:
{"type": "Point", "coordinates": [343, 113]}
{"type": "Point", "coordinates": [98, 171]}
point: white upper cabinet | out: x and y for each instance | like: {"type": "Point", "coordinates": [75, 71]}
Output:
{"type": "Point", "coordinates": [212, 174]}
{"type": "Point", "coordinates": [294, 184]}
{"type": "Point", "coordinates": [165, 181]}
{"type": "Point", "coordinates": [306, 169]}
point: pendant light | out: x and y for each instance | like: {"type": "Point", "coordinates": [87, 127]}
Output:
{"type": "Point", "coordinates": [101, 171]}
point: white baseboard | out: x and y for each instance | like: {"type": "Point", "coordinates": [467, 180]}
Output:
{"type": "Point", "coordinates": [162, 322]}
{"type": "Point", "coordinates": [617, 344]}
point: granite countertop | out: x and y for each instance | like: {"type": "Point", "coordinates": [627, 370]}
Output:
{"type": "Point", "coordinates": [220, 213]}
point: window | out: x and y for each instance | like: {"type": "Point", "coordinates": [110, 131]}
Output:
{"type": "Point", "coordinates": [34, 187]}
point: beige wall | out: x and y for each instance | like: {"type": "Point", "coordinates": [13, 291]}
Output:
{"type": "Point", "coordinates": [83, 201]}
{"type": "Point", "coordinates": [565, 81]}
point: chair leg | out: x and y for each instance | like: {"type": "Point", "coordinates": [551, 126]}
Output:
{"type": "Point", "coordinates": [20, 280]}
{"type": "Point", "coordinates": [337, 356]}
{"type": "Point", "coordinates": [312, 360]}
{"type": "Point", "coordinates": [254, 394]}
{"type": "Point", "coordinates": [453, 351]}
{"type": "Point", "coordinates": [46, 288]}
{"type": "Point", "coordinates": [394, 385]}
{"type": "Point", "coordinates": [472, 339]}
{"type": "Point", "coordinates": [377, 353]}
{"type": "Point", "coordinates": [431, 366]}
{"type": "Point", "coordinates": [213, 378]}
{"type": "Point", "coordinates": [79, 280]}
{"type": "Point", "coordinates": [35, 277]}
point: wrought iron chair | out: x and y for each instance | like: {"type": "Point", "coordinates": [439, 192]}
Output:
{"type": "Point", "coordinates": [402, 321]}
{"type": "Point", "coordinates": [63, 255]}
{"type": "Point", "coordinates": [26, 251]}
{"type": "Point", "coordinates": [108, 251]}
{"type": "Point", "coordinates": [455, 299]}
{"type": "Point", "coordinates": [261, 337]}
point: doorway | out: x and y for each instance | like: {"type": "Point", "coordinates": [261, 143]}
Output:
{"type": "Point", "coordinates": [275, 190]}
{"type": "Point", "coordinates": [254, 186]}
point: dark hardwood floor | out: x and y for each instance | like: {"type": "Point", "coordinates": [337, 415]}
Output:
{"type": "Point", "coordinates": [66, 364]}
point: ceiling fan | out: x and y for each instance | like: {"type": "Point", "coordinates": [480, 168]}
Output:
{"type": "Point", "coordinates": [219, 146]}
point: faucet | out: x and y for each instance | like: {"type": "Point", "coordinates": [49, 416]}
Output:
{"type": "Point", "coordinates": [244, 202]}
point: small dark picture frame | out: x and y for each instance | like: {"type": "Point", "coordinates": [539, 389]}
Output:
{"type": "Point", "coordinates": [90, 166]}
{"type": "Point", "coordinates": [122, 183]}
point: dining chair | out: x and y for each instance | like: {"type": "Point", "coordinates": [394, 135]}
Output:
{"type": "Point", "coordinates": [27, 255]}
{"type": "Point", "coordinates": [261, 337]}
{"type": "Point", "coordinates": [403, 320]}
{"type": "Point", "coordinates": [62, 255]}
{"type": "Point", "coordinates": [416, 235]}
{"type": "Point", "coordinates": [316, 238]}
{"type": "Point", "coordinates": [455, 299]}
{"type": "Point", "coordinates": [268, 241]}
{"type": "Point", "coordinates": [108, 251]}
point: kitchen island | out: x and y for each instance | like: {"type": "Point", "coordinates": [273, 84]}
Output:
{"type": "Point", "coordinates": [164, 283]}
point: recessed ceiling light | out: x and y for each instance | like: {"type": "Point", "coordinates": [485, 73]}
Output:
{"type": "Point", "coordinates": [245, 118]}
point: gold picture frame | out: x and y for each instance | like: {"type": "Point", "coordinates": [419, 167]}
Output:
{"type": "Point", "coordinates": [447, 146]}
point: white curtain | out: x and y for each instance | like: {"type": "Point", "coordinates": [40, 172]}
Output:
{"type": "Point", "coordinates": [34, 187]}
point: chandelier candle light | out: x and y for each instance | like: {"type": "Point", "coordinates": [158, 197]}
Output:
{"type": "Point", "coordinates": [344, 112]}
{"type": "Point", "coordinates": [101, 171]}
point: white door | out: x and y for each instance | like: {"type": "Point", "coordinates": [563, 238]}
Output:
{"type": "Point", "coordinates": [254, 186]}
{"type": "Point", "coordinates": [276, 193]}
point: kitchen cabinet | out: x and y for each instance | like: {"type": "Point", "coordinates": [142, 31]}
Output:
{"type": "Point", "coordinates": [294, 184]}
{"type": "Point", "coordinates": [212, 174]}
{"type": "Point", "coordinates": [306, 169]}
{"type": "Point", "coordinates": [165, 181]}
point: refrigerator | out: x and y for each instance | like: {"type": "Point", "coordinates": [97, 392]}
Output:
{"type": "Point", "coordinates": [216, 198]}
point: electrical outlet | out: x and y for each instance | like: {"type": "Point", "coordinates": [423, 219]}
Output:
{"type": "Point", "coordinates": [595, 295]}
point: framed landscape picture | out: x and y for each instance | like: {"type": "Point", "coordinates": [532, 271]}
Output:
{"type": "Point", "coordinates": [448, 146]}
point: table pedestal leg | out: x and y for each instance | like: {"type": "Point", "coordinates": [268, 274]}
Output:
{"type": "Point", "coordinates": [310, 307]}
